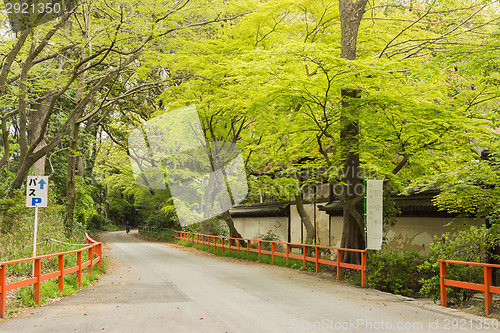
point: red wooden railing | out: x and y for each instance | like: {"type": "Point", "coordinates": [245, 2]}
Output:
{"type": "Point", "coordinates": [487, 287]}
{"type": "Point", "coordinates": [94, 257]}
{"type": "Point", "coordinates": [226, 243]}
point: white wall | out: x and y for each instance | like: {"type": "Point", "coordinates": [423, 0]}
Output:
{"type": "Point", "coordinates": [250, 227]}
{"type": "Point", "coordinates": [410, 233]}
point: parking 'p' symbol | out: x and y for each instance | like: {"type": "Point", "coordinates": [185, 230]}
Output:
{"type": "Point", "coordinates": [35, 201]}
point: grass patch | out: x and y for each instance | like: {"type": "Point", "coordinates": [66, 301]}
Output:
{"type": "Point", "coordinates": [164, 235]}
{"type": "Point", "coordinates": [264, 257]}
{"type": "Point", "coordinates": [24, 297]}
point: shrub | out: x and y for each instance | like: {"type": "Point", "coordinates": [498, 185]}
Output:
{"type": "Point", "coordinates": [98, 222]}
{"type": "Point", "coordinates": [466, 245]}
{"type": "Point", "coordinates": [269, 236]}
{"type": "Point", "coordinates": [395, 271]}
{"type": "Point", "coordinates": [194, 228]}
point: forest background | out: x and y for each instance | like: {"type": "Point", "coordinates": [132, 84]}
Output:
{"type": "Point", "coordinates": [405, 91]}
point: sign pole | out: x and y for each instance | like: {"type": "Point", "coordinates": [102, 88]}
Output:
{"type": "Point", "coordinates": [35, 237]}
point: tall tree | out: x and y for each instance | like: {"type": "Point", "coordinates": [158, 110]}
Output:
{"type": "Point", "coordinates": [351, 12]}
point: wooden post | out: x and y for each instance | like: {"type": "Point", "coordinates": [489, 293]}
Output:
{"type": "Point", "coordinates": [223, 240]}
{"type": "Point", "coordinates": [487, 294]}
{"type": "Point", "coordinates": [287, 252]}
{"type": "Point", "coordinates": [60, 281]}
{"type": "Point", "coordinates": [317, 252]}
{"type": "Point", "coordinates": [442, 278]}
{"type": "Point", "coordinates": [248, 248]}
{"type": "Point", "coordinates": [79, 264]}
{"type": "Point", "coordinates": [260, 248]}
{"type": "Point", "coordinates": [273, 247]}
{"type": "Point", "coordinates": [91, 256]}
{"type": "Point", "coordinates": [305, 254]}
{"type": "Point", "coordinates": [3, 284]}
{"type": "Point", "coordinates": [100, 256]}
{"type": "Point", "coordinates": [38, 284]}
{"type": "Point", "coordinates": [363, 269]}
{"type": "Point", "coordinates": [339, 260]}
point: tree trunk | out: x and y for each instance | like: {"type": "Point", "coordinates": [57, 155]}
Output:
{"type": "Point", "coordinates": [352, 235]}
{"type": "Point", "coordinates": [71, 180]}
{"type": "Point", "coordinates": [232, 229]}
{"type": "Point", "coordinates": [36, 130]}
{"type": "Point", "coordinates": [352, 191]}
{"type": "Point", "coordinates": [350, 17]}
{"type": "Point", "coordinates": [304, 218]}
{"type": "Point", "coordinates": [74, 157]}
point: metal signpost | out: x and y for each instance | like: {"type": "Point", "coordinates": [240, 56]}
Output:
{"type": "Point", "coordinates": [36, 196]}
{"type": "Point", "coordinates": [374, 213]}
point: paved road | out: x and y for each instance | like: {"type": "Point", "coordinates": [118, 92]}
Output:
{"type": "Point", "coordinates": [153, 287]}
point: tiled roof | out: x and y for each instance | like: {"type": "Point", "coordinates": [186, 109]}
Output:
{"type": "Point", "coordinates": [261, 209]}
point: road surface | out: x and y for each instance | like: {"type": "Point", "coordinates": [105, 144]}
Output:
{"type": "Point", "coordinates": [153, 287]}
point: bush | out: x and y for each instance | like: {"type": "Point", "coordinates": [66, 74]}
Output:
{"type": "Point", "coordinates": [269, 236]}
{"type": "Point", "coordinates": [99, 222]}
{"type": "Point", "coordinates": [193, 228]}
{"type": "Point", "coordinates": [395, 271]}
{"type": "Point", "coordinates": [467, 245]}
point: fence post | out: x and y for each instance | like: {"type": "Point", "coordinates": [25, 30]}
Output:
{"type": "Point", "coordinates": [287, 252]}
{"type": "Point", "coordinates": [91, 256]}
{"type": "Point", "coordinates": [248, 248]}
{"type": "Point", "coordinates": [442, 278]}
{"type": "Point", "coordinates": [198, 239]}
{"type": "Point", "coordinates": [192, 239]}
{"type": "Point", "coordinates": [60, 281]}
{"type": "Point", "coordinates": [38, 284]}
{"type": "Point", "coordinates": [3, 284]}
{"type": "Point", "coordinates": [363, 268]}
{"type": "Point", "coordinates": [339, 260]}
{"type": "Point", "coordinates": [238, 240]}
{"type": "Point", "coordinates": [487, 294]}
{"type": "Point", "coordinates": [215, 244]}
{"type": "Point", "coordinates": [273, 248]}
{"type": "Point", "coordinates": [79, 264]}
{"type": "Point", "coordinates": [305, 254]}
{"type": "Point", "coordinates": [317, 258]}
{"type": "Point", "coordinates": [99, 249]}
{"type": "Point", "coordinates": [260, 248]}
{"type": "Point", "coordinates": [223, 240]}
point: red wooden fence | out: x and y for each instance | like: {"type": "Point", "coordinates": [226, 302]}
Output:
{"type": "Point", "coordinates": [94, 257]}
{"type": "Point", "coordinates": [487, 288]}
{"type": "Point", "coordinates": [226, 243]}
